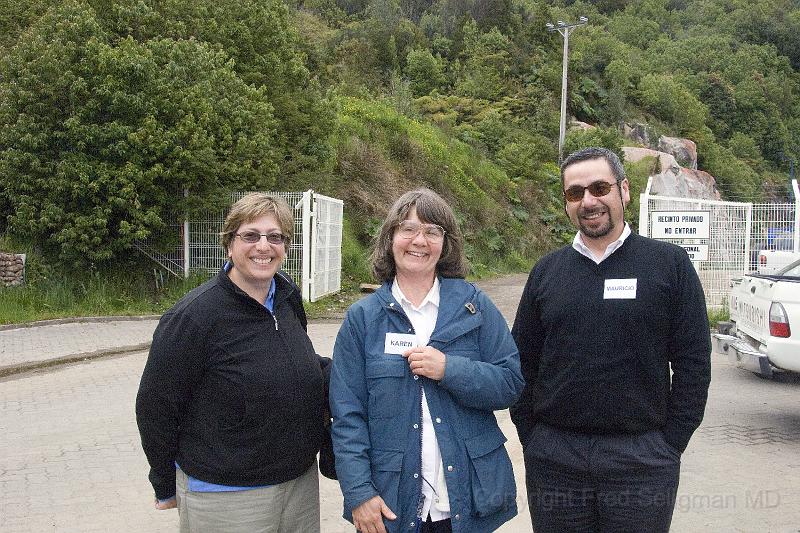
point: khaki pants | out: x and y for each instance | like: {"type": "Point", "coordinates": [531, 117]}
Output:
{"type": "Point", "coordinates": [289, 507]}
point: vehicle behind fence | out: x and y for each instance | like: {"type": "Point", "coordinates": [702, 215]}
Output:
{"type": "Point", "coordinates": [737, 232]}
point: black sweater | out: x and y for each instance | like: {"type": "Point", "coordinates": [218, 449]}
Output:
{"type": "Point", "coordinates": [230, 392]}
{"type": "Point", "coordinates": [602, 366]}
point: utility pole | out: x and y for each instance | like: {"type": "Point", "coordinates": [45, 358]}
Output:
{"type": "Point", "coordinates": [564, 29]}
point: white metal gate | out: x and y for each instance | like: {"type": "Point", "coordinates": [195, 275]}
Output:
{"type": "Point", "coordinates": [313, 259]}
{"type": "Point", "coordinates": [326, 249]}
{"type": "Point", "coordinates": [738, 230]}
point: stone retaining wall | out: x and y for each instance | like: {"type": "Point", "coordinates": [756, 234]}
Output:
{"type": "Point", "coordinates": [12, 269]}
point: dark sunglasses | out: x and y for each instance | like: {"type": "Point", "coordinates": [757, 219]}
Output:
{"type": "Point", "coordinates": [597, 189]}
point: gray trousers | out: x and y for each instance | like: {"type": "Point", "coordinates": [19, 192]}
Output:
{"type": "Point", "coordinates": [600, 483]}
{"type": "Point", "coordinates": [289, 507]}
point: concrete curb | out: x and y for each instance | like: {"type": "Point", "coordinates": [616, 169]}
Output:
{"type": "Point", "coordinates": [20, 368]}
{"type": "Point", "coordinates": [72, 320]}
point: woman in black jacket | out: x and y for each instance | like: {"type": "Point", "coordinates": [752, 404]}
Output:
{"type": "Point", "coordinates": [230, 405]}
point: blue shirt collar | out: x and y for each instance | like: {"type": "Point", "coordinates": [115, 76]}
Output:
{"type": "Point", "coordinates": [270, 302]}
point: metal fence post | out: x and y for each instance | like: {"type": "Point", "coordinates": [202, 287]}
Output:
{"type": "Point", "coordinates": [306, 254]}
{"type": "Point", "coordinates": [186, 252]}
{"type": "Point", "coordinates": [748, 231]}
{"type": "Point", "coordinates": [644, 209]}
{"type": "Point", "coordinates": [796, 192]}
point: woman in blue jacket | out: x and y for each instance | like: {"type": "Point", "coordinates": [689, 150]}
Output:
{"type": "Point", "coordinates": [418, 369]}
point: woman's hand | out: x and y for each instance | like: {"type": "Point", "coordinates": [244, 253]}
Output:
{"type": "Point", "coordinates": [368, 517]}
{"type": "Point", "coordinates": [166, 504]}
{"type": "Point", "coordinates": [426, 361]}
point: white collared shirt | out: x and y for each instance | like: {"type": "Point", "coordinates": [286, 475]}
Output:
{"type": "Point", "coordinates": [582, 249]}
{"type": "Point", "coordinates": [423, 320]}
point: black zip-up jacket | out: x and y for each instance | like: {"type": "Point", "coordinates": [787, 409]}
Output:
{"type": "Point", "coordinates": [232, 393]}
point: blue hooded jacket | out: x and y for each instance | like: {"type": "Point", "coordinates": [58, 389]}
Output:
{"type": "Point", "coordinates": [376, 403]}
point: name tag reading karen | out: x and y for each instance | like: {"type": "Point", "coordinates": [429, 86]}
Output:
{"type": "Point", "coordinates": [620, 289]}
{"type": "Point", "coordinates": [398, 343]}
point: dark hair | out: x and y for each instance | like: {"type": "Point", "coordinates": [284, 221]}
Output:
{"type": "Point", "coordinates": [431, 209]}
{"type": "Point", "coordinates": [593, 152]}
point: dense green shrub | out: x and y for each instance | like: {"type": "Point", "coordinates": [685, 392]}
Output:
{"type": "Point", "coordinates": [99, 140]}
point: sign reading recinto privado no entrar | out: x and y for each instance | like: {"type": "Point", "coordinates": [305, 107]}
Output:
{"type": "Point", "coordinates": [680, 224]}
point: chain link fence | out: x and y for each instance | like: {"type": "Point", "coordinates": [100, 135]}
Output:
{"type": "Point", "coordinates": [737, 232]}
{"type": "Point", "coordinates": [313, 259]}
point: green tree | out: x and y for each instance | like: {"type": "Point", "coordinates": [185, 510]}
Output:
{"type": "Point", "coordinates": [604, 137]}
{"type": "Point", "coordinates": [746, 150]}
{"type": "Point", "coordinates": [486, 65]}
{"type": "Point", "coordinates": [258, 35]}
{"type": "Point", "coordinates": [635, 31]}
{"type": "Point", "coordinates": [524, 156]}
{"type": "Point", "coordinates": [16, 16]}
{"type": "Point", "coordinates": [425, 71]}
{"type": "Point", "coordinates": [669, 100]}
{"type": "Point", "coordinates": [98, 140]}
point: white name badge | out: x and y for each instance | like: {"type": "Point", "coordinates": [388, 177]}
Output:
{"type": "Point", "coordinates": [620, 289]}
{"type": "Point", "coordinates": [399, 342]}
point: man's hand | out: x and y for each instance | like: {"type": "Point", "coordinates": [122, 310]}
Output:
{"type": "Point", "coordinates": [171, 503]}
{"type": "Point", "coordinates": [368, 517]}
{"type": "Point", "coordinates": [426, 361]}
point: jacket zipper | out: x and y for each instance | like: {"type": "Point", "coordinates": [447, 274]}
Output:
{"type": "Point", "coordinates": [420, 498]}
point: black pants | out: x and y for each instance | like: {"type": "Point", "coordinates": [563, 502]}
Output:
{"type": "Point", "coordinates": [442, 526]}
{"type": "Point", "coordinates": [600, 483]}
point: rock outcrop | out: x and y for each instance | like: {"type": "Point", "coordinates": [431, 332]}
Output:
{"type": "Point", "coordinates": [672, 179]}
{"type": "Point", "coordinates": [663, 161]}
{"type": "Point", "coordinates": [638, 133]}
{"type": "Point", "coordinates": [684, 150]}
{"type": "Point", "coordinates": [576, 124]}
{"type": "Point", "coordinates": [685, 183]}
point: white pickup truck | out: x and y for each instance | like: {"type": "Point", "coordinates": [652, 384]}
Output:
{"type": "Point", "coordinates": [771, 261]}
{"type": "Point", "coordinates": [763, 335]}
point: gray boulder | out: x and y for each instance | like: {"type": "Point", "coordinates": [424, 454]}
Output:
{"type": "Point", "coordinates": [685, 183]}
{"type": "Point", "coordinates": [684, 150]}
{"type": "Point", "coordinates": [638, 133]}
{"type": "Point", "coordinates": [671, 179]}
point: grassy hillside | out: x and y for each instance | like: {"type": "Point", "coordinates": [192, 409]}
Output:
{"type": "Point", "coordinates": [109, 110]}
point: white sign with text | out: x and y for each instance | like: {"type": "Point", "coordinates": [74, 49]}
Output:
{"type": "Point", "coordinates": [697, 252]}
{"type": "Point", "coordinates": [680, 224]}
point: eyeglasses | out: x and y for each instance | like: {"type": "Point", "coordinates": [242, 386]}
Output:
{"type": "Point", "coordinates": [252, 237]}
{"type": "Point", "coordinates": [433, 233]}
{"type": "Point", "coordinates": [597, 189]}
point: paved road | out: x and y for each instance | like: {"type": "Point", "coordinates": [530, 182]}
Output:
{"type": "Point", "coordinates": [53, 340]}
{"type": "Point", "coordinates": [70, 458]}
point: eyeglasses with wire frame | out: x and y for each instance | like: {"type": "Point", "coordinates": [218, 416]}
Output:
{"type": "Point", "coordinates": [252, 237]}
{"type": "Point", "coordinates": [408, 229]}
{"type": "Point", "coordinates": [598, 189]}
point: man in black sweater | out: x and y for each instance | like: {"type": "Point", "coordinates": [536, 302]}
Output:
{"type": "Point", "coordinates": [599, 325]}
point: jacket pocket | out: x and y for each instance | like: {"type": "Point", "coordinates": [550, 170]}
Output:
{"type": "Point", "coordinates": [384, 378]}
{"type": "Point", "coordinates": [492, 483]}
{"type": "Point", "coordinates": [386, 467]}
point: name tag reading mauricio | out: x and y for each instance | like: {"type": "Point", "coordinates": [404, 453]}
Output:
{"type": "Point", "coordinates": [398, 343]}
{"type": "Point", "coordinates": [620, 289]}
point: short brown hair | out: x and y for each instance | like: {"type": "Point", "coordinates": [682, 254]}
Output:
{"type": "Point", "coordinates": [431, 209]}
{"type": "Point", "coordinates": [253, 206]}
